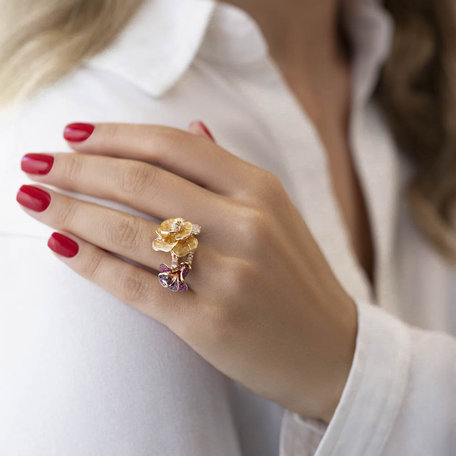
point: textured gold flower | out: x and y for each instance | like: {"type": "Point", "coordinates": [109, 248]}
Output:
{"type": "Point", "coordinates": [176, 235]}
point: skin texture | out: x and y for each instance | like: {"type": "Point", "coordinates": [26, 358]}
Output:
{"type": "Point", "coordinates": [264, 306]}
{"type": "Point", "coordinates": [307, 45]}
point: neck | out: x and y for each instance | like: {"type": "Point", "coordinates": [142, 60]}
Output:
{"type": "Point", "coordinates": [299, 33]}
{"type": "Point", "coordinates": [304, 40]}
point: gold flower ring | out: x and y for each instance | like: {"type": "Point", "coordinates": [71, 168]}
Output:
{"type": "Point", "coordinates": [176, 235]}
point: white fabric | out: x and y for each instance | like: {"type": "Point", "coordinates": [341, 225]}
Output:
{"type": "Point", "coordinates": [81, 373]}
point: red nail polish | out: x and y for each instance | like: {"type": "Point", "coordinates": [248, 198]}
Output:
{"type": "Point", "coordinates": [78, 132]}
{"type": "Point", "coordinates": [37, 163]}
{"type": "Point", "coordinates": [206, 130]}
{"type": "Point", "coordinates": [33, 198]}
{"type": "Point", "coordinates": [63, 245]}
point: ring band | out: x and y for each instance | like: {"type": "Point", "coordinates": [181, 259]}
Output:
{"type": "Point", "coordinates": [177, 236]}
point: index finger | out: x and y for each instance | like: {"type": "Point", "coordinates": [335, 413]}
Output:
{"type": "Point", "coordinates": [193, 157]}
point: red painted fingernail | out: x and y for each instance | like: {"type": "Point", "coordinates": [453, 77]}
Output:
{"type": "Point", "coordinates": [206, 130]}
{"type": "Point", "coordinates": [63, 245]}
{"type": "Point", "coordinates": [78, 132]}
{"type": "Point", "coordinates": [37, 163]}
{"type": "Point", "coordinates": [33, 198]}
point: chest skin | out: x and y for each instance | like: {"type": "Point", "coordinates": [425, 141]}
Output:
{"type": "Point", "coordinates": [351, 201]}
{"type": "Point", "coordinates": [327, 105]}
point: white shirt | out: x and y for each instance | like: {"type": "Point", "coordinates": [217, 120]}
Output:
{"type": "Point", "coordinates": [82, 373]}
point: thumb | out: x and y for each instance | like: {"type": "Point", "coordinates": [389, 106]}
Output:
{"type": "Point", "coordinates": [199, 128]}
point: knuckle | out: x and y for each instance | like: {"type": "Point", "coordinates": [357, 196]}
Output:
{"type": "Point", "coordinates": [238, 276]}
{"type": "Point", "coordinates": [72, 168]}
{"type": "Point", "coordinates": [169, 138]}
{"type": "Point", "coordinates": [134, 287]}
{"type": "Point", "coordinates": [267, 187]}
{"type": "Point", "coordinates": [252, 217]}
{"type": "Point", "coordinates": [125, 233]}
{"type": "Point", "coordinates": [91, 268]}
{"type": "Point", "coordinates": [164, 139]}
{"type": "Point", "coordinates": [269, 179]}
{"type": "Point", "coordinates": [135, 178]}
{"type": "Point", "coordinates": [174, 136]}
{"type": "Point", "coordinates": [253, 223]}
{"type": "Point", "coordinates": [242, 275]}
{"type": "Point", "coordinates": [66, 213]}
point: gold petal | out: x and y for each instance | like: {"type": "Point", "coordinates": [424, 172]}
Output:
{"type": "Point", "coordinates": [162, 245]}
{"type": "Point", "coordinates": [185, 231]}
{"type": "Point", "coordinates": [170, 238]}
{"type": "Point", "coordinates": [183, 248]}
{"type": "Point", "coordinates": [166, 226]}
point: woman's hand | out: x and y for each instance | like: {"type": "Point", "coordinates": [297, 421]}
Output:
{"type": "Point", "coordinates": [264, 306]}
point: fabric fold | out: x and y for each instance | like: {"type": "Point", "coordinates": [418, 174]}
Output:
{"type": "Point", "coordinates": [371, 398]}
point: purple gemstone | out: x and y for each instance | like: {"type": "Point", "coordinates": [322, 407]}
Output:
{"type": "Point", "coordinates": [164, 268]}
{"type": "Point", "coordinates": [185, 270]}
{"type": "Point", "coordinates": [174, 286]}
{"type": "Point", "coordinates": [183, 287]}
{"type": "Point", "coordinates": [164, 279]}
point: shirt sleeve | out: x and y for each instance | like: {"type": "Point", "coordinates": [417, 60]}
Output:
{"type": "Point", "coordinates": [399, 398]}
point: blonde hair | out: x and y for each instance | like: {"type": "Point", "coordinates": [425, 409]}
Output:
{"type": "Point", "coordinates": [43, 40]}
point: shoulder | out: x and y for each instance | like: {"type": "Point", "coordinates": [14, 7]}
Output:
{"type": "Point", "coordinates": [86, 95]}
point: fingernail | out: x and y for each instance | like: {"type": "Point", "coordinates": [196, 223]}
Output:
{"type": "Point", "coordinates": [37, 163]}
{"type": "Point", "coordinates": [33, 198]}
{"type": "Point", "coordinates": [63, 245]}
{"type": "Point", "coordinates": [206, 130]}
{"type": "Point", "coordinates": [78, 132]}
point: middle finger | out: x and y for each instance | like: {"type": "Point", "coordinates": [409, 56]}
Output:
{"type": "Point", "coordinates": [140, 185]}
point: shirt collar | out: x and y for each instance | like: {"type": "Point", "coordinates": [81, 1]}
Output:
{"type": "Point", "coordinates": [160, 42]}
{"type": "Point", "coordinates": [370, 28]}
